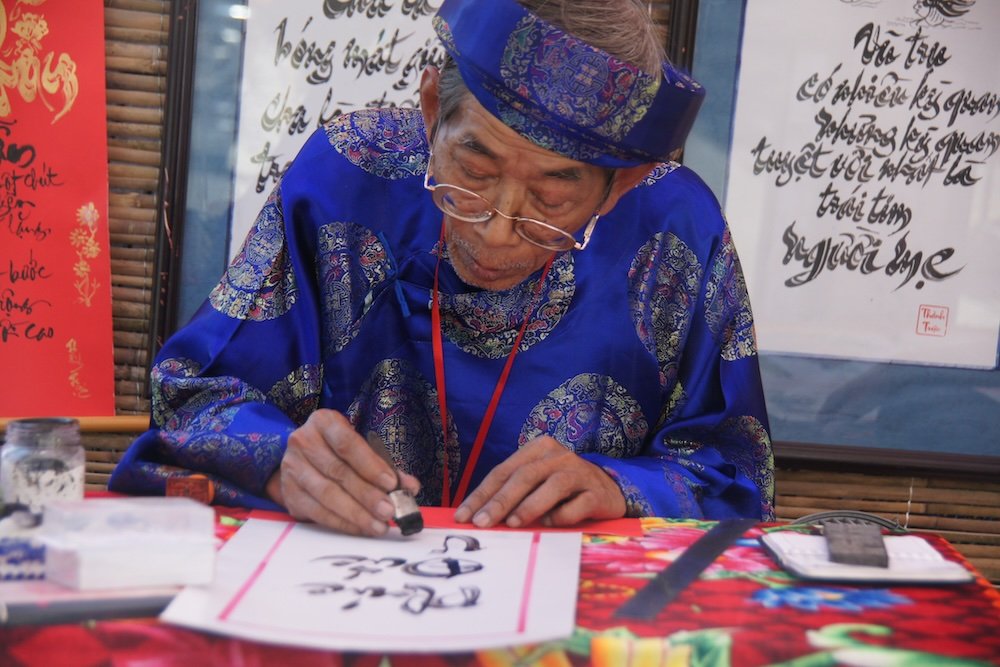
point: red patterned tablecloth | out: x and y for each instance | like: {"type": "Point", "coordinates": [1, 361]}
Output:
{"type": "Point", "coordinates": [742, 612]}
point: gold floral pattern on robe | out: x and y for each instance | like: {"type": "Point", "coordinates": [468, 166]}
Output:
{"type": "Point", "coordinates": [297, 394]}
{"type": "Point", "coordinates": [664, 281]}
{"type": "Point", "coordinates": [389, 143]}
{"type": "Point", "coordinates": [399, 404]}
{"type": "Point", "coordinates": [352, 264]}
{"type": "Point", "coordinates": [727, 303]}
{"type": "Point", "coordinates": [485, 324]}
{"type": "Point", "coordinates": [589, 413]}
{"type": "Point", "coordinates": [259, 283]}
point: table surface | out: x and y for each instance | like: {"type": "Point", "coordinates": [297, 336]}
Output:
{"type": "Point", "coordinates": [743, 611]}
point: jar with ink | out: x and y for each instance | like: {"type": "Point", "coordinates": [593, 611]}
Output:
{"type": "Point", "coordinates": [42, 460]}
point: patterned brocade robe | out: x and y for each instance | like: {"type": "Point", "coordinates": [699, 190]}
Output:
{"type": "Point", "coordinates": [639, 354]}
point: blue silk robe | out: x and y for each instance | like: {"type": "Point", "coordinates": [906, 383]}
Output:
{"type": "Point", "coordinates": [639, 355]}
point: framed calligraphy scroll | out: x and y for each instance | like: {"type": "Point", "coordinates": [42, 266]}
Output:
{"type": "Point", "coordinates": [857, 159]}
{"type": "Point", "coordinates": [264, 74]}
{"type": "Point", "coordinates": [862, 169]}
{"type": "Point", "coordinates": [56, 348]}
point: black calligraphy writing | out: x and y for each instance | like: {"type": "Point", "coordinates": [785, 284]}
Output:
{"type": "Point", "coordinates": [370, 8]}
{"type": "Point", "coordinates": [271, 169]}
{"type": "Point", "coordinates": [305, 55]}
{"type": "Point", "coordinates": [278, 113]}
{"type": "Point", "coordinates": [864, 157]}
{"type": "Point", "coordinates": [381, 58]}
{"type": "Point", "coordinates": [431, 54]}
{"type": "Point", "coordinates": [414, 597]}
{"type": "Point", "coordinates": [861, 251]}
{"type": "Point", "coordinates": [25, 176]}
{"type": "Point", "coordinates": [17, 317]}
{"type": "Point", "coordinates": [417, 9]}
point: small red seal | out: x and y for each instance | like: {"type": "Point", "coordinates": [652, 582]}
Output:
{"type": "Point", "coordinates": [932, 320]}
{"type": "Point", "coordinates": [195, 486]}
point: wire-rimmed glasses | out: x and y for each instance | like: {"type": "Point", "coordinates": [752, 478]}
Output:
{"type": "Point", "coordinates": [468, 206]}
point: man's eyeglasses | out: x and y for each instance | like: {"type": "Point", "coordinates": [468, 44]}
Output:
{"type": "Point", "coordinates": [467, 206]}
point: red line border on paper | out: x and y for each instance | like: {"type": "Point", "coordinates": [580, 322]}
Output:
{"type": "Point", "coordinates": [529, 578]}
{"type": "Point", "coordinates": [238, 597]}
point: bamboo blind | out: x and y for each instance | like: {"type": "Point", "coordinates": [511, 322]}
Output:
{"type": "Point", "coordinates": [136, 34]}
{"type": "Point", "coordinates": [964, 511]}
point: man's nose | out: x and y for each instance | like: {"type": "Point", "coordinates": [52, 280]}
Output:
{"type": "Point", "coordinates": [499, 229]}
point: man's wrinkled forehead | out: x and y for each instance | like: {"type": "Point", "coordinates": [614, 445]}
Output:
{"type": "Point", "coordinates": [492, 141]}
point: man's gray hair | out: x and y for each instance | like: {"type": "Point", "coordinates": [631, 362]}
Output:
{"type": "Point", "coordinates": [622, 28]}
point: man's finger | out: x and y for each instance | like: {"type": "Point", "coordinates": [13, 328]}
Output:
{"type": "Point", "coordinates": [542, 498]}
{"type": "Point", "coordinates": [332, 506]}
{"type": "Point", "coordinates": [514, 487]}
{"type": "Point", "coordinates": [409, 482]}
{"type": "Point", "coordinates": [482, 494]}
{"type": "Point", "coordinates": [571, 512]}
{"type": "Point", "coordinates": [341, 454]}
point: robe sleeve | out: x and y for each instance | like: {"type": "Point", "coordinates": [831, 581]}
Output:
{"type": "Point", "coordinates": [710, 455]}
{"type": "Point", "coordinates": [229, 387]}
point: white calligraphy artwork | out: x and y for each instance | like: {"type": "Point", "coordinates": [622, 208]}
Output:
{"type": "Point", "coordinates": [441, 590]}
{"type": "Point", "coordinates": [304, 63]}
{"type": "Point", "coordinates": [863, 178]}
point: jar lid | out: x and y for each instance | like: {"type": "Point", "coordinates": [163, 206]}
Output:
{"type": "Point", "coordinates": [44, 431]}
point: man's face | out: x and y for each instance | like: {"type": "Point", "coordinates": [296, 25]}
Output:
{"type": "Point", "coordinates": [476, 151]}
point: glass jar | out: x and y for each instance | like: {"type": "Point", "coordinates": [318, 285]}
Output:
{"type": "Point", "coordinates": [42, 460]}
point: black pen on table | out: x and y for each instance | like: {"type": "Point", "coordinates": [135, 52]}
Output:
{"type": "Point", "coordinates": [406, 513]}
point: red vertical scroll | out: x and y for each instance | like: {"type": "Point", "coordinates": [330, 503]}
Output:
{"type": "Point", "coordinates": [56, 341]}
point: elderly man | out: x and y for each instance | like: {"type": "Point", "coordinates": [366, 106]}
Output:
{"type": "Point", "coordinates": [541, 315]}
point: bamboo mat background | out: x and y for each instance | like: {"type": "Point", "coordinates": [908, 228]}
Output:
{"type": "Point", "coordinates": [964, 510]}
{"type": "Point", "coordinates": [136, 35]}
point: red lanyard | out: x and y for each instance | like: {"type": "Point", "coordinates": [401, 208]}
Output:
{"type": "Point", "coordinates": [484, 426]}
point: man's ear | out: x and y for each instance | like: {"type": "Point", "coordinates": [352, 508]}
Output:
{"type": "Point", "coordinates": [625, 179]}
{"type": "Point", "coordinates": [430, 100]}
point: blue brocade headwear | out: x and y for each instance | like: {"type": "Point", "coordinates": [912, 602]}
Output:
{"type": "Point", "coordinates": [561, 93]}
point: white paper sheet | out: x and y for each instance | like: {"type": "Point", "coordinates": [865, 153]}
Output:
{"type": "Point", "coordinates": [862, 187]}
{"type": "Point", "coordinates": [441, 590]}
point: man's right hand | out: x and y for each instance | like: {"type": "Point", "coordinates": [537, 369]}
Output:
{"type": "Point", "coordinates": [331, 476]}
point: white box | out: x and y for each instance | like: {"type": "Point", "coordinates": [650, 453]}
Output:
{"type": "Point", "coordinates": [107, 543]}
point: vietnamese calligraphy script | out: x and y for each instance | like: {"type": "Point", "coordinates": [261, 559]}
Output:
{"type": "Point", "coordinates": [374, 58]}
{"type": "Point", "coordinates": [29, 74]}
{"type": "Point", "coordinates": [55, 269]}
{"type": "Point", "coordinates": [891, 122]}
{"type": "Point", "coordinates": [352, 575]}
{"type": "Point", "coordinates": [25, 313]}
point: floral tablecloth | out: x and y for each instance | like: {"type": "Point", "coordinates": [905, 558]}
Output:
{"type": "Point", "coordinates": [742, 612]}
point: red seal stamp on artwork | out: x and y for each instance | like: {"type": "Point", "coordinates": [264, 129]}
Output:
{"type": "Point", "coordinates": [932, 320]}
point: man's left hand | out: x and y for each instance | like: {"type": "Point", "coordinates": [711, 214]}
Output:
{"type": "Point", "coordinates": [543, 480]}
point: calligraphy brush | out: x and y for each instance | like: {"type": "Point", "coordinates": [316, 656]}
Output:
{"type": "Point", "coordinates": [406, 513]}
